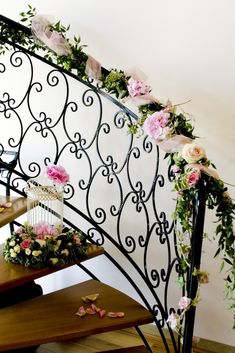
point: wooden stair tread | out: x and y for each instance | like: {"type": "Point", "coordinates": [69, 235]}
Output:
{"type": "Point", "coordinates": [136, 349]}
{"type": "Point", "coordinates": [51, 317]}
{"type": "Point", "coordinates": [19, 207]}
{"type": "Point", "coordinates": [13, 275]}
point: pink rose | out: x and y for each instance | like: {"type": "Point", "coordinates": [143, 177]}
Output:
{"type": "Point", "coordinates": [193, 176]}
{"type": "Point", "coordinates": [25, 244]}
{"type": "Point", "coordinates": [43, 229]}
{"type": "Point", "coordinates": [57, 174]}
{"type": "Point", "coordinates": [154, 124]}
{"type": "Point", "coordinates": [137, 88]}
{"type": "Point", "coordinates": [184, 303]}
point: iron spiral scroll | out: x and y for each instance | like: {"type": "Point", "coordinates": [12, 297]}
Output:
{"type": "Point", "coordinates": [110, 197]}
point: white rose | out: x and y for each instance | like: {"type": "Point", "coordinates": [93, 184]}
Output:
{"type": "Point", "coordinates": [54, 260]}
{"type": "Point", "coordinates": [27, 251]}
{"type": "Point", "coordinates": [13, 253]}
{"type": "Point", "coordinates": [12, 243]}
{"type": "Point", "coordinates": [17, 249]}
{"type": "Point", "coordinates": [192, 153]}
{"type": "Point", "coordinates": [36, 252]}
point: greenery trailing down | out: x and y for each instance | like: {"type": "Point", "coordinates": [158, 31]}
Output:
{"type": "Point", "coordinates": [172, 131]}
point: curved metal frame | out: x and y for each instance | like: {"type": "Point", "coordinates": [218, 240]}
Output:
{"type": "Point", "coordinates": [104, 165]}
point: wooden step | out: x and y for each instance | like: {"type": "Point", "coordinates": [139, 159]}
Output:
{"type": "Point", "coordinates": [13, 275]}
{"type": "Point", "coordinates": [19, 207]}
{"type": "Point", "coordinates": [136, 349]}
{"type": "Point", "coordinates": [52, 318]}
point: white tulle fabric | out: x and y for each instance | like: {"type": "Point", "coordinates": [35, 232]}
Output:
{"type": "Point", "coordinates": [52, 39]}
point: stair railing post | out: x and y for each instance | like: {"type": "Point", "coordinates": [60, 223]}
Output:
{"type": "Point", "coordinates": [196, 246]}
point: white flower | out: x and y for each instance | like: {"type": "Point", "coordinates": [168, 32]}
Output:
{"type": "Point", "coordinates": [65, 252]}
{"type": "Point", "coordinates": [27, 251]}
{"type": "Point", "coordinates": [192, 153]}
{"type": "Point", "coordinates": [54, 260]}
{"type": "Point", "coordinates": [13, 253]}
{"type": "Point", "coordinates": [17, 249]}
{"type": "Point", "coordinates": [36, 252]}
{"type": "Point", "coordinates": [12, 243]}
{"type": "Point", "coordinates": [184, 303]}
{"type": "Point", "coordinates": [56, 247]}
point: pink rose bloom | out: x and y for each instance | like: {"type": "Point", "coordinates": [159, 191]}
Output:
{"type": "Point", "coordinates": [23, 235]}
{"type": "Point", "coordinates": [154, 124]}
{"type": "Point", "coordinates": [19, 230]}
{"type": "Point", "coordinates": [193, 176]}
{"type": "Point", "coordinates": [173, 320]}
{"type": "Point", "coordinates": [137, 88]}
{"type": "Point", "coordinates": [184, 303]}
{"type": "Point", "coordinates": [25, 244]}
{"type": "Point", "coordinates": [57, 174]}
{"type": "Point", "coordinates": [43, 229]}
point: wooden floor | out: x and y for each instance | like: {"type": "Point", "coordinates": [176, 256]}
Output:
{"type": "Point", "coordinates": [105, 342]}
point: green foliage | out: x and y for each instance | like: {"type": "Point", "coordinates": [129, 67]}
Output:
{"type": "Point", "coordinates": [116, 83]}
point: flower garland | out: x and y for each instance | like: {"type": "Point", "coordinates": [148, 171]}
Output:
{"type": "Point", "coordinates": [171, 130]}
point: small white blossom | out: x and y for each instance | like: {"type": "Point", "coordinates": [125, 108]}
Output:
{"type": "Point", "coordinates": [27, 251]}
{"type": "Point", "coordinates": [65, 252]}
{"type": "Point", "coordinates": [36, 252]}
{"type": "Point", "coordinates": [13, 253]}
{"type": "Point", "coordinates": [17, 249]}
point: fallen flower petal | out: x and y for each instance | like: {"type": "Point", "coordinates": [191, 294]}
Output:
{"type": "Point", "coordinates": [90, 298]}
{"type": "Point", "coordinates": [7, 205]}
{"type": "Point", "coordinates": [81, 311]}
{"type": "Point", "coordinates": [94, 307]}
{"type": "Point", "coordinates": [112, 314]}
{"type": "Point", "coordinates": [102, 313]}
{"type": "Point", "coordinates": [120, 314]}
{"type": "Point", "coordinates": [90, 311]}
{"type": "Point", "coordinates": [116, 314]}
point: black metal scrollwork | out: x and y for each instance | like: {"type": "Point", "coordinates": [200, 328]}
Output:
{"type": "Point", "coordinates": [52, 117]}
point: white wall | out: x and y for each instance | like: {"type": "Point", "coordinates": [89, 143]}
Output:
{"type": "Point", "coordinates": [186, 50]}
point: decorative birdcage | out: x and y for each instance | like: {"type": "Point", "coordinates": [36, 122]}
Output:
{"type": "Point", "coordinates": [44, 202]}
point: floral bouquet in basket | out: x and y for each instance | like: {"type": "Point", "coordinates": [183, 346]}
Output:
{"type": "Point", "coordinates": [44, 245]}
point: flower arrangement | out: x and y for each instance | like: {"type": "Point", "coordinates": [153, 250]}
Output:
{"type": "Point", "coordinates": [43, 245]}
{"type": "Point", "coordinates": [172, 132]}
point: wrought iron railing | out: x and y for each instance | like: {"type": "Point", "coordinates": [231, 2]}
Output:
{"type": "Point", "coordinates": [116, 183]}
